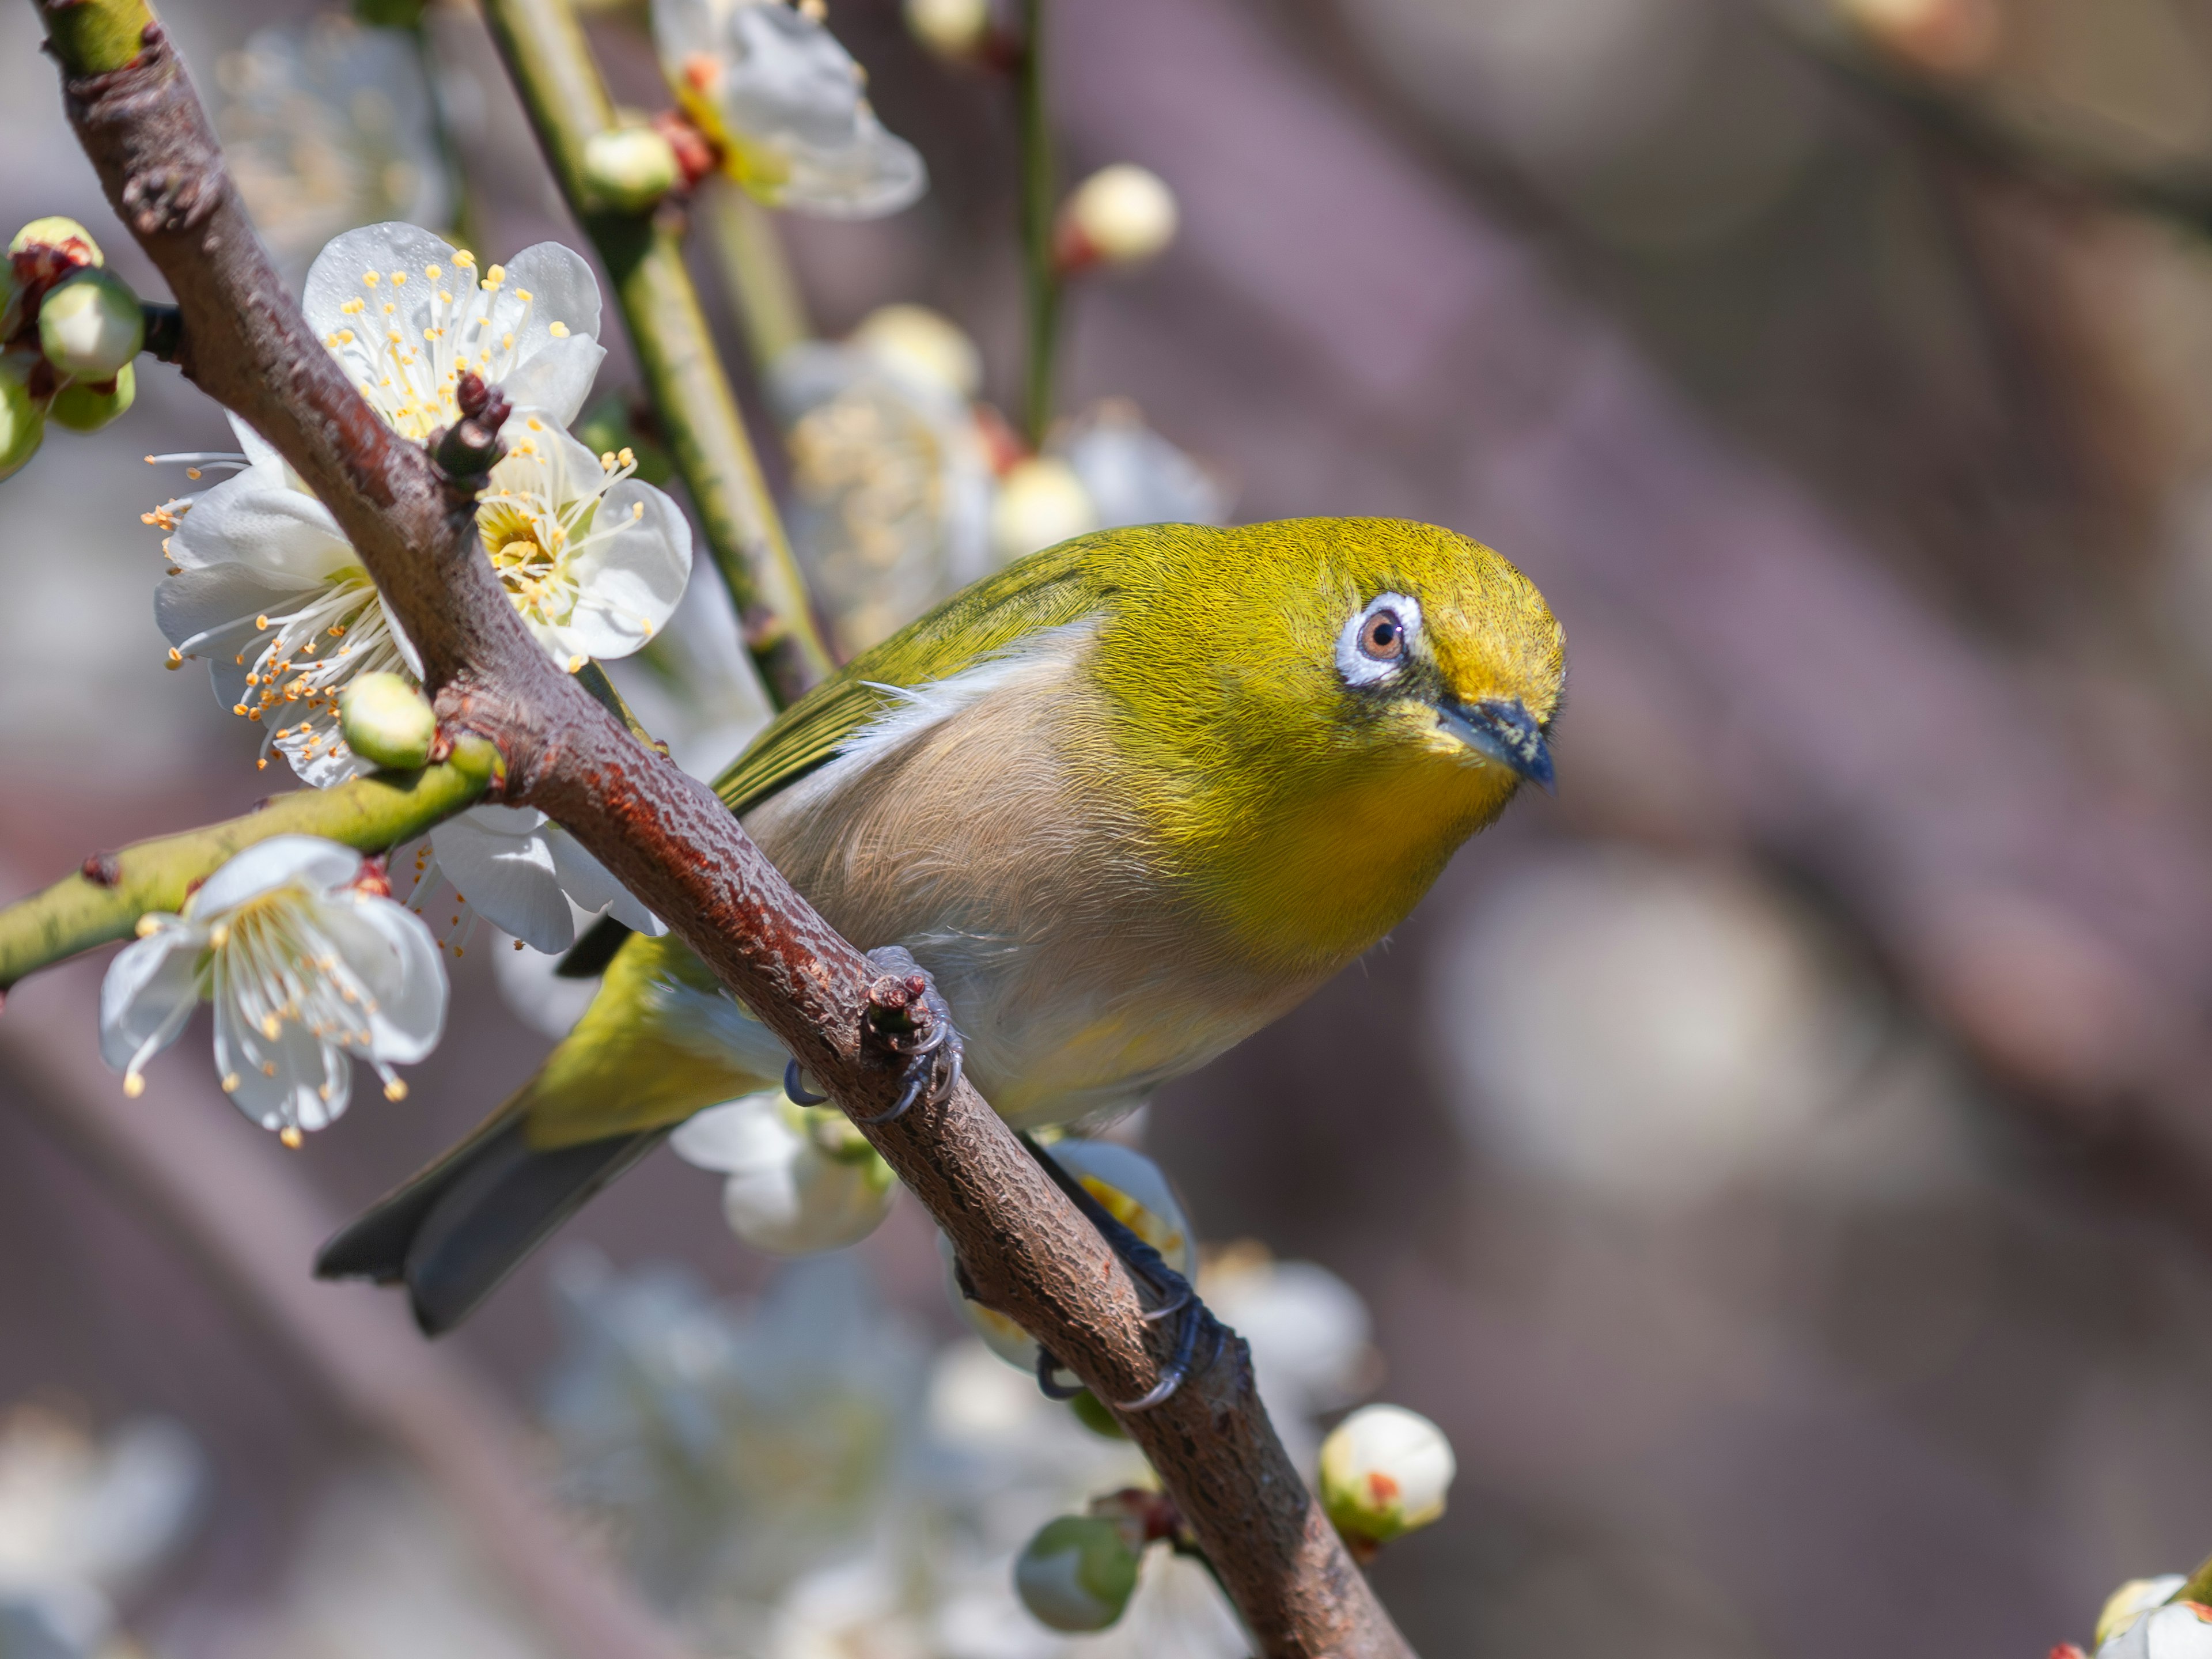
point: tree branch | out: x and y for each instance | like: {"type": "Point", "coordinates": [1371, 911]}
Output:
{"type": "Point", "coordinates": [666, 835]}
{"type": "Point", "coordinates": [567, 103]}
{"type": "Point", "coordinates": [105, 899]}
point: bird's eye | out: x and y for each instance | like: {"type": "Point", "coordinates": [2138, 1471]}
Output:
{"type": "Point", "coordinates": [1383, 637]}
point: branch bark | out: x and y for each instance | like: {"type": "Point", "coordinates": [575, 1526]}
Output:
{"type": "Point", "coordinates": [666, 835]}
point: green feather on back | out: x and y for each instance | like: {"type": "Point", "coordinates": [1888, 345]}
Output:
{"type": "Point", "coordinates": [1060, 585]}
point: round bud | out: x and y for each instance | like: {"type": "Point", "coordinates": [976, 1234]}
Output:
{"type": "Point", "coordinates": [1120, 216]}
{"type": "Point", "coordinates": [1943, 37]}
{"type": "Point", "coordinates": [630, 167]}
{"type": "Point", "coordinates": [22, 421]}
{"type": "Point", "coordinates": [1041, 502]}
{"type": "Point", "coordinates": [88, 406]}
{"type": "Point", "coordinates": [1384, 1471]}
{"type": "Point", "coordinates": [1077, 1573]}
{"type": "Point", "coordinates": [61, 239]}
{"type": "Point", "coordinates": [2131, 1601]}
{"type": "Point", "coordinates": [2178, 1630]}
{"type": "Point", "coordinates": [386, 721]}
{"type": "Point", "coordinates": [91, 325]}
{"type": "Point", "coordinates": [923, 342]}
{"type": "Point", "coordinates": [950, 28]}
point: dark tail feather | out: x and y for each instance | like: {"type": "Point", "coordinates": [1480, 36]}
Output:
{"type": "Point", "coordinates": [452, 1232]}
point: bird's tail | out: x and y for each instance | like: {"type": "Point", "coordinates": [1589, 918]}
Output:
{"type": "Point", "coordinates": [452, 1232]}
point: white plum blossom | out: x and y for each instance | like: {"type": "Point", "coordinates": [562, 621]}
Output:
{"type": "Point", "coordinates": [890, 476]}
{"type": "Point", "coordinates": [2132, 1601]}
{"type": "Point", "coordinates": [328, 124]}
{"type": "Point", "coordinates": [407, 313]}
{"type": "Point", "coordinates": [1384, 1471]}
{"type": "Point", "coordinates": [522, 872]}
{"type": "Point", "coordinates": [2180, 1630]}
{"type": "Point", "coordinates": [84, 1521]}
{"type": "Point", "coordinates": [800, 1180]}
{"type": "Point", "coordinates": [1135, 475]}
{"type": "Point", "coordinates": [307, 962]}
{"type": "Point", "coordinates": [775, 89]}
{"type": "Point", "coordinates": [593, 557]}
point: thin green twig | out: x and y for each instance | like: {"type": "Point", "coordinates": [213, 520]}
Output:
{"type": "Point", "coordinates": [756, 272]}
{"type": "Point", "coordinates": [567, 103]}
{"type": "Point", "coordinates": [104, 900]}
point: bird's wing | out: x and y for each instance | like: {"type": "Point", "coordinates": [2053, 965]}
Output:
{"type": "Point", "coordinates": [1059, 586]}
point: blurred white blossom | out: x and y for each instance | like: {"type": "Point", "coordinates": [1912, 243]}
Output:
{"type": "Point", "coordinates": [81, 1523]}
{"type": "Point", "coordinates": [892, 478]}
{"type": "Point", "coordinates": [1122, 214]}
{"type": "Point", "coordinates": [775, 89]}
{"type": "Point", "coordinates": [799, 1179]}
{"type": "Point", "coordinates": [2180, 1630]}
{"type": "Point", "coordinates": [2131, 1601]}
{"type": "Point", "coordinates": [307, 962]}
{"type": "Point", "coordinates": [328, 124]}
{"type": "Point", "coordinates": [1309, 1334]}
{"type": "Point", "coordinates": [1104, 471]}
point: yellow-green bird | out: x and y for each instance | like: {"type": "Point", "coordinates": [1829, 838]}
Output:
{"type": "Point", "coordinates": [1127, 801]}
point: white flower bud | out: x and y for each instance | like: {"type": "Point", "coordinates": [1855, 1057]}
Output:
{"type": "Point", "coordinates": [1041, 502]}
{"type": "Point", "coordinates": [88, 406]}
{"type": "Point", "coordinates": [950, 28]}
{"type": "Point", "coordinates": [2180, 1630]}
{"type": "Point", "coordinates": [2131, 1601]}
{"type": "Point", "coordinates": [63, 239]}
{"type": "Point", "coordinates": [91, 325]}
{"type": "Point", "coordinates": [1077, 1573]}
{"type": "Point", "coordinates": [1122, 214]}
{"type": "Point", "coordinates": [385, 720]}
{"type": "Point", "coordinates": [923, 342]}
{"type": "Point", "coordinates": [800, 1180]}
{"type": "Point", "coordinates": [630, 167]}
{"type": "Point", "coordinates": [1384, 1471]}
{"type": "Point", "coordinates": [22, 421]}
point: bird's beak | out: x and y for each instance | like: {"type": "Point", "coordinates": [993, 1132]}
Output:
{"type": "Point", "coordinates": [1504, 731]}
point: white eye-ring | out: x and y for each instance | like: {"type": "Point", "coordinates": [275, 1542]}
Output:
{"type": "Point", "coordinates": [1377, 639]}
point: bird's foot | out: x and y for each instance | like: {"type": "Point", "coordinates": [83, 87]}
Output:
{"type": "Point", "coordinates": [1173, 1299]}
{"type": "Point", "coordinates": [909, 1021]}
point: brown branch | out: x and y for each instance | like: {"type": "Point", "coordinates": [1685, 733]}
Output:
{"type": "Point", "coordinates": [1026, 1249]}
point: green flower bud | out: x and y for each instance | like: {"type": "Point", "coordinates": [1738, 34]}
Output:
{"type": "Point", "coordinates": [88, 406]}
{"type": "Point", "coordinates": [630, 167]}
{"type": "Point", "coordinates": [66, 239]}
{"type": "Point", "coordinates": [386, 721]}
{"type": "Point", "coordinates": [1077, 1573]}
{"type": "Point", "coordinates": [1384, 1471]}
{"type": "Point", "coordinates": [91, 325]}
{"type": "Point", "coordinates": [1090, 1411]}
{"type": "Point", "coordinates": [22, 421]}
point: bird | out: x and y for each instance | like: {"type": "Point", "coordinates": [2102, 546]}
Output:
{"type": "Point", "coordinates": [1125, 802]}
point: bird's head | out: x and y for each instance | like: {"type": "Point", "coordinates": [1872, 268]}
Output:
{"type": "Point", "coordinates": [1333, 694]}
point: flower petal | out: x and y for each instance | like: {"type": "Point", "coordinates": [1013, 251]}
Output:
{"type": "Point", "coordinates": [150, 990]}
{"type": "Point", "coordinates": [507, 878]}
{"type": "Point", "coordinates": [335, 278]}
{"type": "Point", "coordinates": [291, 1078]}
{"type": "Point", "coordinates": [746, 1134]}
{"type": "Point", "coordinates": [221, 602]}
{"type": "Point", "coordinates": [254, 520]}
{"type": "Point", "coordinates": [632, 575]}
{"type": "Point", "coordinates": [395, 956]}
{"type": "Point", "coordinates": [557, 376]}
{"type": "Point", "coordinates": [310, 861]}
{"type": "Point", "coordinates": [591, 886]}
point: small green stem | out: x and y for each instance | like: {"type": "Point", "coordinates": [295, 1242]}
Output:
{"type": "Point", "coordinates": [1040, 191]}
{"type": "Point", "coordinates": [96, 37]}
{"type": "Point", "coordinates": [552, 66]}
{"type": "Point", "coordinates": [757, 271]}
{"type": "Point", "coordinates": [105, 900]}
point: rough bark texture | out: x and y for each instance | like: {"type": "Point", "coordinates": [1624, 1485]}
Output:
{"type": "Point", "coordinates": [1027, 1249]}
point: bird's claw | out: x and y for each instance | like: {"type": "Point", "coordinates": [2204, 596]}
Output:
{"type": "Point", "coordinates": [1177, 1299]}
{"type": "Point", "coordinates": [910, 1020]}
